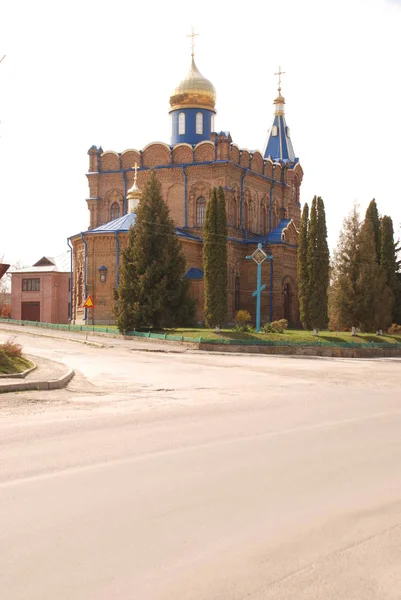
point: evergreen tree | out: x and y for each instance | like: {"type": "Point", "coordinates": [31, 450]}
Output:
{"type": "Point", "coordinates": [313, 272]}
{"type": "Point", "coordinates": [322, 266]}
{"type": "Point", "coordinates": [215, 259]}
{"type": "Point", "coordinates": [152, 290]}
{"type": "Point", "coordinates": [345, 289]}
{"type": "Point", "coordinates": [375, 298]}
{"type": "Point", "coordinates": [360, 295]}
{"type": "Point", "coordinates": [222, 271]}
{"type": "Point", "coordinates": [390, 264]}
{"type": "Point", "coordinates": [372, 215]}
{"type": "Point", "coordinates": [302, 269]}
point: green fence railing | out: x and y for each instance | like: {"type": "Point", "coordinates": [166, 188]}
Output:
{"type": "Point", "coordinates": [201, 339]}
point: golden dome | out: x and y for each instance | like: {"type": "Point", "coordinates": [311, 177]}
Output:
{"type": "Point", "coordinates": [195, 91]}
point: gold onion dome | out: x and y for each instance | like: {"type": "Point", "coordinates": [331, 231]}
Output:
{"type": "Point", "coordinates": [195, 91]}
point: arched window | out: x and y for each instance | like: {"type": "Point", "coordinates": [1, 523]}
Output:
{"type": "Point", "coordinates": [199, 123]}
{"type": "Point", "coordinates": [212, 123]}
{"type": "Point", "coordinates": [181, 124]}
{"type": "Point", "coordinates": [114, 211]}
{"type": "Point", "coordinates": [200, 211]}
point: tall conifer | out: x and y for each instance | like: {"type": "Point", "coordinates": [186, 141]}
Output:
{"type": "Point", "coordinates": [152, 290]}
{"type": "Point", "coordinates": [323, 269]}
{"type": "Point", "coordinates": [372, 215]}
{"type": "Point", "coordinates": [313, 274]}
{"type": "Point", "coordinates": [390, 264]}
{"type": "Point", "coordinates": [375, 298]}
{"type": "Point", "coordinates": [215, 259]}
{"type": "Point", "coordinates": [345, 290]}
{"type": "Point", "coordinates": [302, 269]}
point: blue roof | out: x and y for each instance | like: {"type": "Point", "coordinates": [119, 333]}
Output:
{"type": "Point", "coordinates": [121, 224]}
{"type": "Point", "coordinates": [274, 237]}
{"type": "Point", "coordinates": [279, 146]}
{"type": "Point", "coordinates": [181, 233]}
{"type": "Point", "coordinates": [127, 221]}
{"type": "Point", "coordinates": [194, 273]}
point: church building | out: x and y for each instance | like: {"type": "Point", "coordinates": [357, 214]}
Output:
{"type": "Point", "coordinates": [262, 196]}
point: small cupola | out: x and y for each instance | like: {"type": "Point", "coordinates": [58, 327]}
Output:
{"type": "Point", "coordinates": [134, 193]}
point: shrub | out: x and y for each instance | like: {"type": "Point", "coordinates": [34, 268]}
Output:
{"type": "Point", "coordinates": [267, 328]}
{"type": "Point", "coordinates": [279, 326]}
{"type": "Point", "coordinates": [11, 348]}
{"type": "Point", "coordinates": [242, 321]}
{"type": "Point", "coordinates": [242, 317]}
{"type": "Point", "coordinates": [394, 328]}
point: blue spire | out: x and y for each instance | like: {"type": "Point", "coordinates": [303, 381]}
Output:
{"type": "Point", "coordinates": [279, 145]}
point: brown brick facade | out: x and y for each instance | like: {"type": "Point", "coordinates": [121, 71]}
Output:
{"type": "Point", "coordinates": [259, 194]}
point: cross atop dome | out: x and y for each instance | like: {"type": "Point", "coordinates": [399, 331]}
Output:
{"type": "Point", "coordinates": [279, 145]}
{"type": "Point", "coordinates": [279, 73]}
{"type": "Point", "coordinates": [193, 35]}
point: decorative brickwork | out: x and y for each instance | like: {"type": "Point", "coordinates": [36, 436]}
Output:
{"type": "Point", "coordinates": [110, 161]}
{"type": "Point", "coordinates": [257, 162]}
{"type": "Point", "coordinates": [129, 158]}
{"type": "Point", "coordinates": [156, 154]}
{"type": "Point", "coordinates": [204, 152]}
{"type": "Point", "coordinates": [245, 160]}
{"type": "Point", "coordinates": [235, 154]}
{"type": "Point", "coordinates": [182, 154]}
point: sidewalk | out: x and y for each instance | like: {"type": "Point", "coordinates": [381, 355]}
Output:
{"type": "Point", "coordinates": [101, 339]}
{"type": "Point", "coordinates": [48, 375]}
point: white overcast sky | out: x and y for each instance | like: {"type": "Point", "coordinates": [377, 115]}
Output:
{"type": "Point", "coordinates": [101, 72]}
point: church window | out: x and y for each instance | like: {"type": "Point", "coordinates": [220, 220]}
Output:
{"type": "Point", "coordinates": [200, 211]}
{"type": "Point", "coordinates": [274, 131]}
{"type": "Point", "coordinates": [114, 211]}
{"type": "Point", "coordinates": [212, 123]}
{"type": "Point", "coordinates": [287, 130]}
{"type": "Point", "coordinates": [181, 124]}
{"type": "Point", "coordinates": [199, 123]}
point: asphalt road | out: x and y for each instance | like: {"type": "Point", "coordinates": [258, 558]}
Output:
{"type": "Point", "coordinates": [190, 476]}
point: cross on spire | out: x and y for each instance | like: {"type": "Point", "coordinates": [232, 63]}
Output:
{"type": "Point", "coordinates": [136, 172]}
{"type": "Point", "coordinates": [193, 36]}
{"type": "Point", "coordinates": [279, 73]}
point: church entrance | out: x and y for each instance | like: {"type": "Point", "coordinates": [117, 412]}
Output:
{"type": "Point", "coordinates": [287, 302]}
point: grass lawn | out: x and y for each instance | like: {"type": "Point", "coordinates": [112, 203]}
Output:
{"type": "Point", "coordinates": [13, 364]}
{"type": "Point", "coordinates": [291, 335]}
{"type": "Point", "coordinates": [11, 359]}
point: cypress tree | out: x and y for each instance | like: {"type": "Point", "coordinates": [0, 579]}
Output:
{"type": "Point", "coordinates": [390, 264]}
{"type": "Point", "coordinates": [372, 215]}
{"type": "Point", "coordinates": [302, 269]}
{"type": "Point", "coordinates": [215, 259]}
{"type": "Point", "coordinates": [222, 271]}
{"type": "Point", "coordinates": [313, 275]}
{"type": "Point", "coordinates": [375, 298]}
{"type": "Point", "coordinates": [322, 268]}
{"type": "Point", "coordinates": [152, 290]}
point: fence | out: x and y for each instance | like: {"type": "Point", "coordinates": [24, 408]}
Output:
{"type": "Point", "coordinates": [199, 340]}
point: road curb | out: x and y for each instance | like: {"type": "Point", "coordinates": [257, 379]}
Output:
{"type": "Point", "coordinates": [51, 384]}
